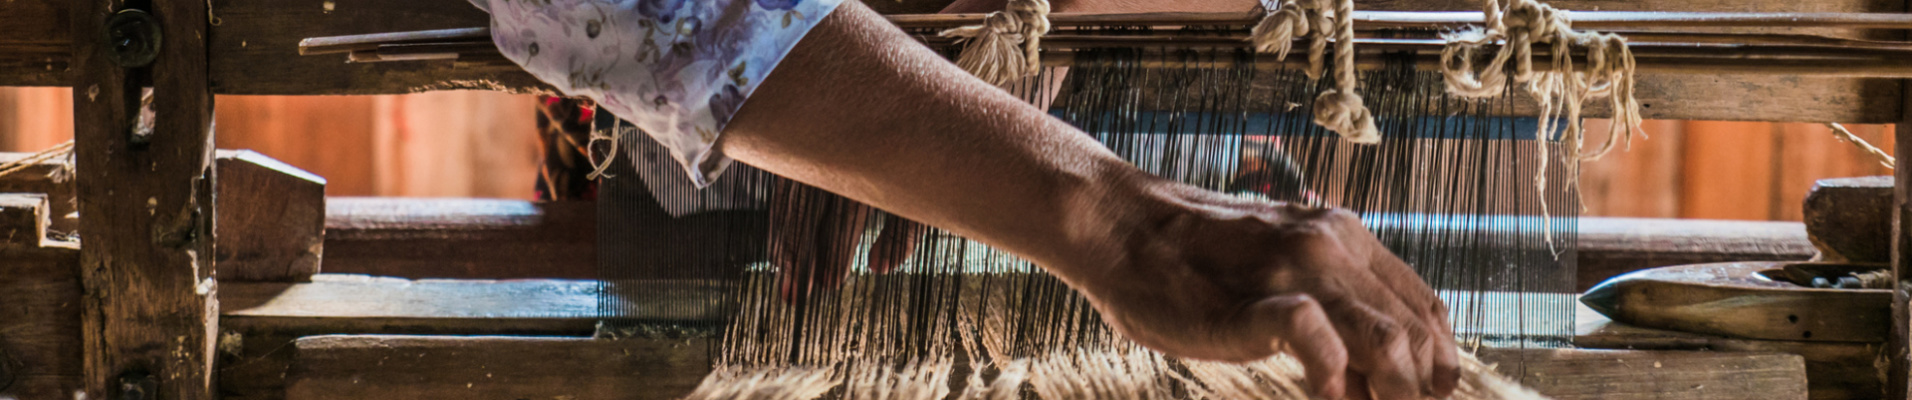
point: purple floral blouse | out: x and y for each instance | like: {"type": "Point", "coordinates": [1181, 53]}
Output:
{"type": "Point", "coordinates": [678, 69]}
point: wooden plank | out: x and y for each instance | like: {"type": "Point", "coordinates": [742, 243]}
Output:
{"type": "Point", "coordinates": [22, 220]}
{"type": "Point", "coordinates": [34, 46]}
{"type": "Point", "coordinates": [43, 387]}
{"type": "Point", "coordinates": [1899, 343]}
{"type": "Point", "coordinates": [40, 319]}
{"type": "Point", "coordinates": [440, 367]}
{"type": "Point", "coordinates": [509, 239]}
{"type": "Point", "coordinates": [1833, 370]}
{"type": "Point", "coordinates": [1566, 374]}
{"type": "Point", "coordinates": [255, 49]}
{"type": "Point", "coordinates": [256, 54]}
{"type": "Point", "coordinates": [334, 303]}
{"type": "Point", "coordinates": [271, 223]}
{"type": "Point", "coordinates": [148, 209]}
{"type": "Point", "coordinates": [461, 238]}
{"type": "Point", "coordinates": [51, 178]}
{"type": "Point", "coordinates": [1613, 246]}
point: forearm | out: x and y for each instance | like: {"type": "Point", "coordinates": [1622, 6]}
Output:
{"type": "Point", "coordinates": [860, 109]}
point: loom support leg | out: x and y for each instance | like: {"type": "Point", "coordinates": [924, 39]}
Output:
{"type": "Point", "coordinates": [1899, 343]}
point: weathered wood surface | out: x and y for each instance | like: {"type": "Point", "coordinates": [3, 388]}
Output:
{"type": "Point", "coordinates": [508, 239]}
{"type": "Point", "coordinates": [461, 238]}
{"type": "Point", "coordinates": [271, 222]}
{"type": "Point", "coordinates": [1899, 343]}
{"type": "Point", "coordinates": [334, 303]}
{"type": "Point", "coordinates": [1851, 218]}
{"type": "Point", "coordinates": [148, 208]}
{"type": "Point", "coordinates": [254, 51]}
{"type": "Point", "coordinates": [23, 220]}
{"type": "Point", "coordinates": [1613, 246]}
{"type": "Point", "coordinates": [1834, 370]}
{"type": "Point", "coordinates": [52, 178]}
{"type": "Point", "coordinates": [39, 306]}
{"type": "Point", "coordinates": [440, 367]}
{"type": "Point", "coordinates": [1732, 299]}
{"type": "Point", "coordinates": [1566, 374]}
{"type": "Point", "coordinates": [40, 320]}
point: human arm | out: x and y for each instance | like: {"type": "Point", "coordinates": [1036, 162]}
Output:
{"type": "Point", "coordinates": [859, 109]}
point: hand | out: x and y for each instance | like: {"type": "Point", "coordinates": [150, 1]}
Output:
{"type": "Point", "coordinates": [814, 236]}
{"type": "Point", "coordinates": [1234, 280]}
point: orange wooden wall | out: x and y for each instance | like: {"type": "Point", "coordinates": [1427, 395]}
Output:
{"type": "Point", "coordinates": [439, 144]}
{"type": "Point", "coordinates": [481, 144]}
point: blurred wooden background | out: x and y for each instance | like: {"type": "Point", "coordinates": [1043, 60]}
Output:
{"type": "Point", "coordinates": [483, 144]}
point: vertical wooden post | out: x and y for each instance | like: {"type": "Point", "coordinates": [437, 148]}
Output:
{"type": "Point", "coordinates": [146, 204]}
{"type": "Point", "coordinates": [1899, 344]}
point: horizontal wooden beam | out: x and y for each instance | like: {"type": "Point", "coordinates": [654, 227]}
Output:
{"type": "Point", "coordinates": [1613, 246]}
{"type": "Point", "coordinates": [1834, 370]}
{"type": "Point", "coordinates": [460, 238]}
{"type": "Point", "coordinates": [378, 367]}
{"type": "Point", "coordinates": [510, 239]}
{"type": "Point", "coordinates": [445, 367]}
{"type": "Point", "coordinates": [254, 51]}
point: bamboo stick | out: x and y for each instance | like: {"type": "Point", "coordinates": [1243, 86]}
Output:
{"type": "Point", "coordinates": [351, 43]}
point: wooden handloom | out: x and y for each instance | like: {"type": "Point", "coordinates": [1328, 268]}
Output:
{"type": "Point", "coordinates": [138, 309]}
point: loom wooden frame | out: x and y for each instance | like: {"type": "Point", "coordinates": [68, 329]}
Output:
{"type": "Point", "coordinates": [149, 310]}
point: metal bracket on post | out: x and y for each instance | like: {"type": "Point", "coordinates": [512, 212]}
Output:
{"type": "Point", "coordinates": [131, 39]}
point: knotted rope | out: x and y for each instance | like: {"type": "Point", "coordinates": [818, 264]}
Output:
{"type": "Point", "coordinates": [61, 150]}
{"type": "Point", "coordinates": [1559, 91]}
{"type": "Point", "coordinates": [1844, 135]}
{"type": "Point", "coordinates": [1006, 46]}
{"type": "Point", "coordinates": [1340, 109]}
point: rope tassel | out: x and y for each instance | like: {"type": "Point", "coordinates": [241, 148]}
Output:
{"type": "Point", "coordinates": [1340, 109]}
{"type": "Point", "coordinates": [1006, 47]}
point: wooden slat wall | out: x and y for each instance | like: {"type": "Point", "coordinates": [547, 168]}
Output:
{"type": "Point", "coordinates": [406, 145]}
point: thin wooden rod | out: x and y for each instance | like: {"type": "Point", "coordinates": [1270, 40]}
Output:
{"type": "Point", "coordinates": [1450, 19]}
{"type": "Point", "coordinates": [350, 43]}
{"type": "Point", "coordinates": [1871, 68]}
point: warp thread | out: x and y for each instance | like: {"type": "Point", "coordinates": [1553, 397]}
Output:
{"type": "Point", "coordinates": [1007, 45]}
{"type": "Point", "coordinates": [1339, 109]}
{"type": "Point", "coordinates": [840, 359]}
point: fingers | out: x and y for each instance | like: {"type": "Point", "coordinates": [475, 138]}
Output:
{"type": "Point", "coordinates": [839, 229]}
{"type": "Point", "coordinates": [813, 238]}
{"type": "Point", "coordinates": [1414, 304]}
{"type": "Point", "coordinates": [1358, 387]}
{"type": "Point", "coordinates": [1435, 340]}
{"type": "Point", "coordinates": [790, 249]}
{"type": "Point", "coordinates": [895, 243]}
{"type": "Point", "coordinates": [1379, 347]}
{"type": "Point", "coordinates": [1302, 329]}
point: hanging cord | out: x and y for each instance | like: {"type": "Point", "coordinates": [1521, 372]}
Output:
{"type": "Point", "coordinates": [1560, 91]}
{"type": "Point", "coordinates": [1844, 135]}
{"type": "Point", "coordinates": [1006, 47]}
{"type": "Point", "coordinates": [61, 150]}
{"type": "Point", "coordinates": [1340, 109]}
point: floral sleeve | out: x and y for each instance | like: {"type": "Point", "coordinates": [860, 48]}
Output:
{"type": "Point", "coordinates": [678, 69]}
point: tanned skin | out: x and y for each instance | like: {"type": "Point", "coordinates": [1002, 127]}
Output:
{"type": "Point", "coordinates": [860, 109]}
